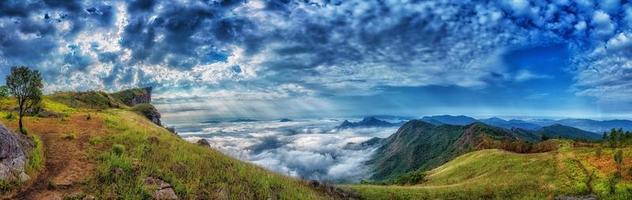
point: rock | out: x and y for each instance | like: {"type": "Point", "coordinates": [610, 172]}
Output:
{"type": "Point", "coordinates": [149, 111]}
{"type": "Point", "coordinates": [13, 148]}
{"type": "Point", "coordinates": [24, 177]}
{"type": "Point", "coordinates": [203, 142]}
{"type": "Point", "coordinates": [134, 96]}
{"type": "Point", "coordinates": [172, 130]}
{"type": "Point", "coordinates": [163, 191]}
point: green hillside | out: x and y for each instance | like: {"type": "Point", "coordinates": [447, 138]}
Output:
{"type": "Point", "coordinates": [498, 174]}
{"type": "Point", "coordinates": [561, 131]}
{"type": "Point", "coordinates": [420, 145]}
{"type": "Point", "coordinates": [97, 147]}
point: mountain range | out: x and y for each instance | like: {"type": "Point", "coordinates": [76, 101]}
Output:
{"type": "Point", "coordinates": [591, 125]}
{"type": "Point", "coordinates": [366, 122]}
{"type": "Point", "coordinates": [431, 141]}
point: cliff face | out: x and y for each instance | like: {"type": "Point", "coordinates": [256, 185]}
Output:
{"type": "Point", "coordinates": [140, 101]}
{"type": "Point", "coordinates": [134, 96]}
{"type": "Point", "coordinates": [13, 159]}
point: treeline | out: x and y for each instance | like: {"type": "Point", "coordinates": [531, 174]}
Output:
{"type": "Point", "coordinates": [617, 138]}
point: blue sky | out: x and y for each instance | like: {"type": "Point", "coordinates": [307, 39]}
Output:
{"type": "Point", "coordinates": [286, 58]}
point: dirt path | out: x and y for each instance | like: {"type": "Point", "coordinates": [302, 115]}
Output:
{"type": "Point", "coordinates": [66, 164]}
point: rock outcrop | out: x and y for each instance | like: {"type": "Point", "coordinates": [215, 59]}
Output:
{"type": "Point", "coordinates": [162, 189]}
{"type": "Point", "coordinates": [149, 111]}
{"type": "Point", "coordinates": [132, 97]}
{"type": "Point", "coordinates": [13, 155]}
{"type": "Point", "coordinates": [203, 142]}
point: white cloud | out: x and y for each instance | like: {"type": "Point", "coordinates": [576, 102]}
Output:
{"type": "Point", "coordinates": [526, 75]}
{"type": "Point", "coordinates": [308, 149]}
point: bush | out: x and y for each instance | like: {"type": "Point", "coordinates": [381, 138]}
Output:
{"type": "Point", "coordinates": [410, 178]}
{"type": "Point", "coordinates": [598, 152]}
{"type": "Point", "coordinates": [89, 117]}
{"type": "Point", "coordinates": [118, 149]}
{"type": "Point", "coordinates": [9, 116]}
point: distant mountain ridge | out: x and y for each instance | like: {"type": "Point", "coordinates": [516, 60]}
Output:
{"type": "Point", "coordinates": [449, 119]}
{"type": "Point", "coordinates": [567, 132]}
{"type": "Point", "coordinates": [589, 124]}
{"type": "Point", "coordinates": [366, 122]}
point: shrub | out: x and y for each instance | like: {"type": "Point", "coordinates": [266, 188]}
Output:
{"type": "Point", "coordinates": [9, 116]}
{"type": "Point", "coordinates": [118, 149]}
{"type": "Point", "coordinates": [598, 152]}
{"type": "Point", "coordinates": [410, 178]}
{"type": "Point", "coordinates": [89, 117]}
{"type": "Point", "coordinates": [618, 157]}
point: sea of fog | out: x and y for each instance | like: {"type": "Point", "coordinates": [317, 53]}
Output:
{"type": "Point", "coordinates": [305, 148]}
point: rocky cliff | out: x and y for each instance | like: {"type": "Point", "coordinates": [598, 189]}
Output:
{"type": "Point", "coordinates": [132, 97]}
{"type": "Point", "coordinates": [13, 155]}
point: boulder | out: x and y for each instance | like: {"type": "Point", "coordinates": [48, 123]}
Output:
{"type": "Point", "coordinates": [162, 189]}
{"type": "Point", "coordinates": [13, 155]}
{"type": "Point", "coordinates": [149, 111]}
{"type": "Point", "coordinates": [203, 142]}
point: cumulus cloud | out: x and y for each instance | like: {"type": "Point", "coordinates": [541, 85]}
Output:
{"type": "Point", "coordinates": [309, 149]}
{"type": "Point", "coordinates": [328, 48]}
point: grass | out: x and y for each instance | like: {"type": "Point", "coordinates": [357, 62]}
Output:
{"type": "Point", "coordinates": [126, 156]}
{"type": "Point", "coordinates": [498, 174]}
{"type": "Point", "coordinates": [120, 154]}
{"type": "Point", "coordinates": [36, 157]}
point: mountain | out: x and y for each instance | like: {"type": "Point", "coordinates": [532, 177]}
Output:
{"type": "Point", "coordinates": [595, 126]}
{"type": "Point", "coordinates": [449, 119]}
{"type": "Point", "coordinates": [419, 145]}
{"type": "Point", "coordinates": [567, 132]}
{"type": "Point", "coordinates": [366, 122]}
{"type": "Point", "coordinates": [495, 121]}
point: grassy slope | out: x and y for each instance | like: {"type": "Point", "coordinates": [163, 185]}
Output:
{"type": "Point", "coordinates": [195, 172]}
{"type": "Point", "coordinates": [497, 174]}
{"type": "Point", "coordinates": [419, 145]}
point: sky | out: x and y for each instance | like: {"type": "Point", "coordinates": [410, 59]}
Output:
{"type": "Point", "coordinates": [319, 58]}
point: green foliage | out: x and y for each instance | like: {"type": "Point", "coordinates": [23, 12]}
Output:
{"type": "Point", "coordinates": [618, 157]}
{"type": "Point", "coordinates": [598, 151]}
{"type": "Point", "coordinates": [26, 86]}
{"type": "Point", "coordinates": [118, 149]}
{"type": "Point", "coordinates": [36, 156]}
{"type": "Point", "coordinates": [4, 91]}
{"type": "Point", "coordinates": [6, 186]}
{"type": "Point", "coordinates": [126, 96]}
{"type": "Point", "coordinates": [410, 178]}
{"type": "Point", "coordinates": [618, 138]}
{"type": "Point", "coordinates": [88, 99]}
{"type": "Point", "coordinates": [9, 116]}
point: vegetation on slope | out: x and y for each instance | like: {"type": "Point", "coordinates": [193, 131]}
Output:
{"type": "Point", "coordinates": [420, 146]}
{"type": "Point", "coordinates": [575, 169]}
{"type": "Point", "coordinates": [112, 152]}
{"type": "Point", "coordinates": [567, 132]}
